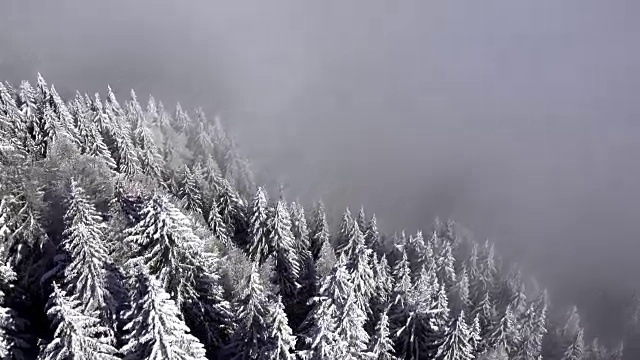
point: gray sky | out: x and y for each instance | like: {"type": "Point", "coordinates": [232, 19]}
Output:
{"type": "Point", "coordinates": [518, 118]}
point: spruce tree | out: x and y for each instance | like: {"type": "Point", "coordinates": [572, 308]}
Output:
{"type": "Point", "coordinates": [318, 230]}
{"type": "Point", "coordinates": [164, 241]}
{"type": "Point", "coordinates": [85, 276]}
{"type": "Point", "coordinates": [207, 313]}
{"type": "Point", "coordinates": [281, 342]}
{"type": "Point", "coordinates": [190, 193]}
{"type": "Point", "coordinates": [361, 220]}
{"type": "Point", "coordinates": [575, 351]}
{"type": "Point", "coordinates": [460, 293]}
{"type": "Point", "coordinates": [287, 260]}
{"type": "Point", "coordinates": [318, 335]}
{"type": "Point", "coordinates": [372, 236]}
{"type": "Point", "coordinates": [381, 344]}
{"type": "Point", "coordinates": [154, 328]}
{"type": "Point", "coordinates": [259, 239]}
{"type": "Point", "coordinates": [251, 338]}
{"type": "Point", "coordinates": [77, 334]}
{"type": "Point", "coordinates": [346, 235]}
{"type": "Point", "coordinates": [456, 345]}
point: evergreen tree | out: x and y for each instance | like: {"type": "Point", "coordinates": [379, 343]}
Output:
{"type": "Point", "coordinates": [318, 230]}
{"type": "Point", "coordinates": [446, 266]}
{"type": "Point", "coordinates": [300, 232]}
{"type": "Point", "coordinates": [575, 351]}
{"type": "Point", "coordinates": [361, 220]}
{"type": "Point", "coordinates": [13, 344]}
{"type": "Point", "coordinates": [206, 312]}
{"type": "Point", "coordinates": [281, 342]}
{"type": "Point", "coordinates": [381, 344]}
{"type": "Point", "coordinates": [326, 261]}
{"type": "Point", "coordinates": [503, 333]}
{"type": "Point", "coordinates": [85, 276]}
{"type": "Point", "coordinates": [351, 327]}
{"type": "Point", "coordinates": [319, 339]}
{"type": "Point", "coordinates": [155, 329]}
{"type": "Point", "coordinates": [456, 344]}
{"type": "Point", "coordinates": [308, 276]}
{"type": "Point", "coordinates": [190, 193]}
{"type": "Point", "coordinates": [361, 273]}
{"type": "Point", "coordinates": [260, 245]}
{"type": "Point", "coordinates": [383, 284]}
{"type": "Point", "coordinates": [250, 338]}
{"type": "Point", "coordinates": [287, 260]}
{"type": "Point", "coordinates": [372, 236]}
{"type": "Point", "coordinates": [346, 235]}
{"type": "Point", "coordinates": [460, 293]}
{"type": "Point", "coordinates": [164, 241]}
{"type": "Point", "coordinates": [77, 334]}
{"type": "Point", "coordinates": [417, 253]}
{"type": "Point", "coordinates": [216, 223]}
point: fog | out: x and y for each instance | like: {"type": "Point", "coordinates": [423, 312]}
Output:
{"type": "Point", "coordinates": [519, 119]}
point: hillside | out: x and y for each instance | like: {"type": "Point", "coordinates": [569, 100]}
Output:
{"type": "Point", "coordinates": [139, 233]}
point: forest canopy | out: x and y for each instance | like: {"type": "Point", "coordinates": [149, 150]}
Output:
{"type": "Point", "coordinates": [139, 232]}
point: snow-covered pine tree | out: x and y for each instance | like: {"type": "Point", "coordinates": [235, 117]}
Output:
{"type": "Point", "coordinates": [487, 314]}
{"type": "Point", "coordinates": [381, 295]}
{"type": "Point", "coordinates": [575, 351]}
{"type": "Point", "coordinates": [381, 347]}
{"type": "Point", "coordinates": [417, 254]}
{"type": "Point", "coordinates": [460, 298]}
{"type": "Point", "coordinates": [372, 236]}
{"type": "Point", "coordinates": [164, 119]}
{"type": "Point", "coordinates": [456, 344]}
{"type": "Point", "coordinates": [318, 230]}
{"type": "Point", "coordinates": [318, 335]}
{"type": "Point", "coordinates": [446, 265]}
{"type": "Point", "coordinates": [344, 241]}
{"type": "Point", "coordinates": [206, 312]}
{"type": "Point", "coordinates": [259, 237]}
{"type": "Point", "coordinates": [85, 276]}
{"type": "Point", "coordinates": [337, 285]}
{"type": "Point", "coordinates": [65, 119]}
{"type": "Point", "coordinates": [475, 340]}
{"type": "Point", "coordinates": [164, 241]}
{"type": "Point", "coordinates": [503, 334]}
{"type": "Point", "coordinates": [308, 276]}
{"type": "Point", "coordinates": [77, 334]}
{"type": "Point", "coordinates": [359, 266]}
{"type": "Point", "coordinates": [361, 220]}
{"type": "Point", "coordinates": [351, 327]}
{"type": "Point", "coordinates": [198, 137]}
{"type": "Point", "coordinates": [180, 120]}
{"type": "Point", "coordinates": [300, 231]}
{"type": "Point", "coordinates": [231, 208]}
{"type": "Point", "coordinates": [216, 223]}
{"type": "Point", "coordinates": [148, 153]}
{"type": "Point", "coordinates": [91, 139]}
{"type": "Point", "coordinates": [190, 193]}
{"type": "Point", "coordinates": [155, 329]}
{"type": "Point", "coordinates": [13, 339]}
{"type": "Point", "coordinates": [325, 262]}
{"type": "Point", "coordinates": [251, 338]}
{"type": "Point", "coordinates": [120, 132]}
{"type": "Point", "coordinates": [287, 260]}
{"type": "Point", "coordinates": [281, 342]}
{"type": "Point", "coordinates": [533, 328]}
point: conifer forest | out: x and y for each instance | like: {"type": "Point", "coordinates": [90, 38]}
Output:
{"type": "Point", "coordinates": [134, 230]}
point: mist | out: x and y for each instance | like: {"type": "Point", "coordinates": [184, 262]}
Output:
{"type": "Point", "coordinates": [517, 119]}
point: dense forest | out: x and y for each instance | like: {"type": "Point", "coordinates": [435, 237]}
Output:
{"type": "Point", "coordinates": [131, 232]}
